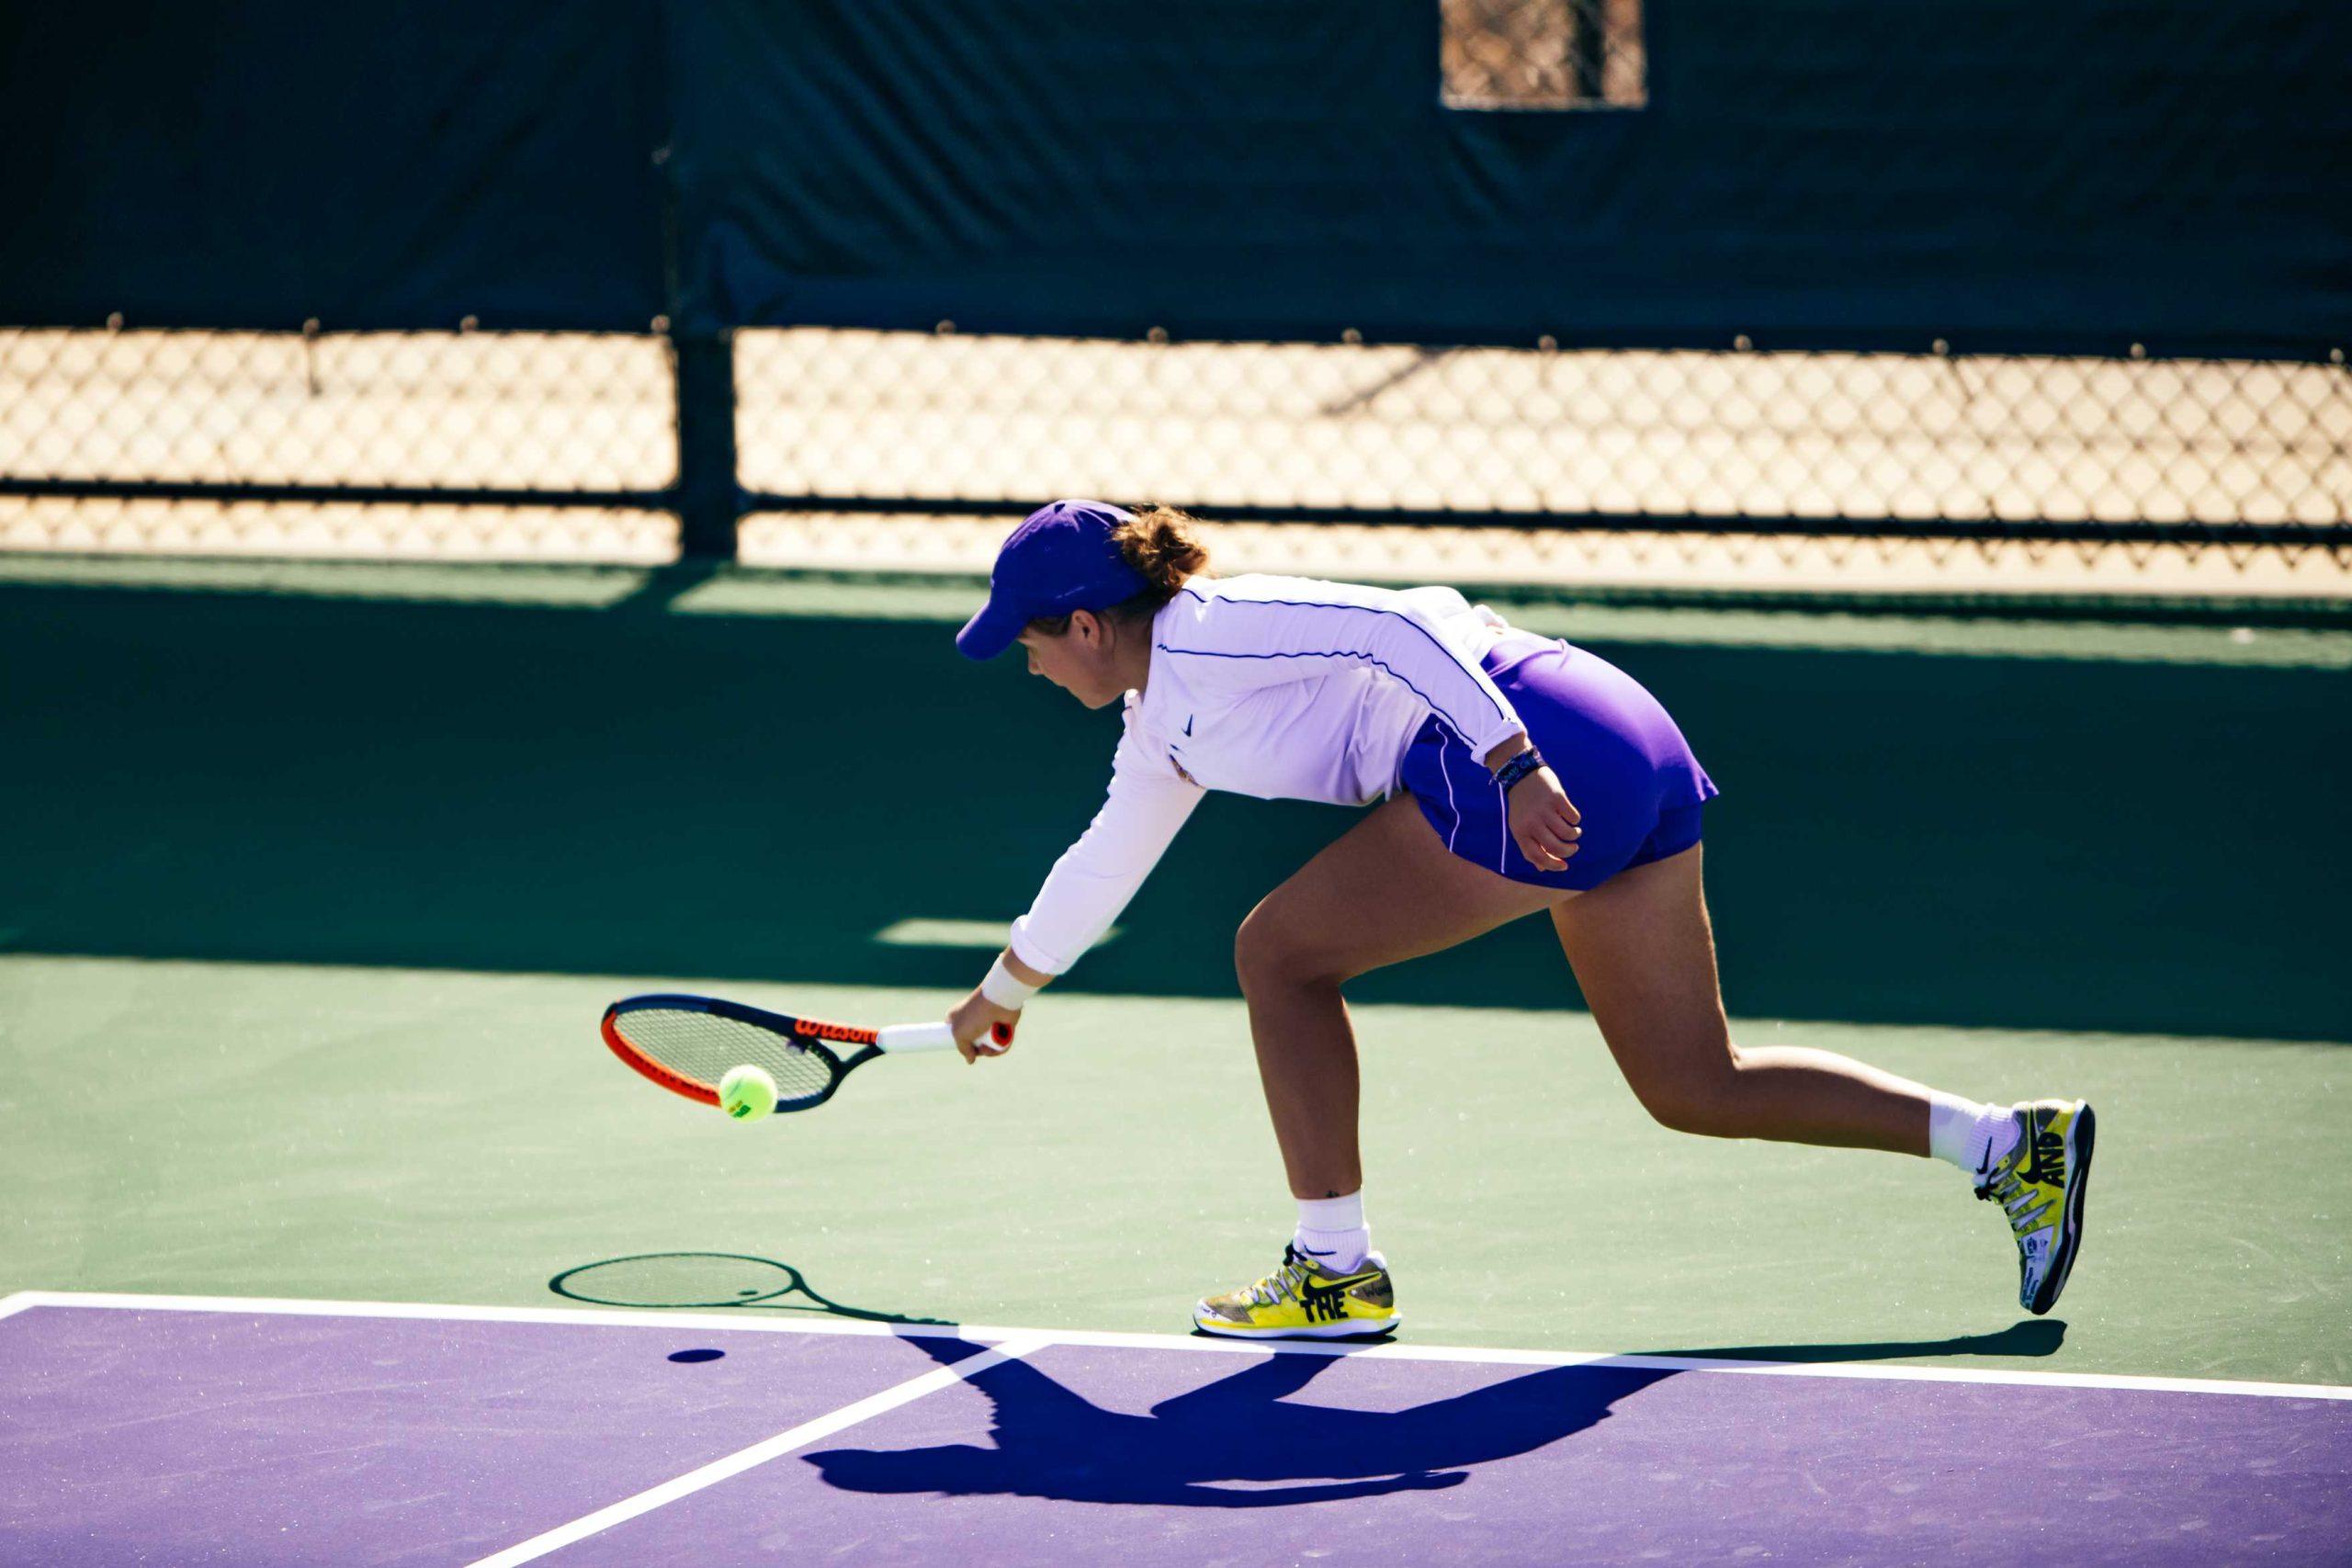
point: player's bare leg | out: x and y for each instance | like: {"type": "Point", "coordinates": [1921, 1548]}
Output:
{"type": "Point", "coordinates": [1644, 956]}
{"type": "Point", "coordinates": [1385, 891]}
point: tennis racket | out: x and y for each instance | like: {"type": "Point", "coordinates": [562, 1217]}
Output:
{"type": "Point", "coordinates": [687, 1044]}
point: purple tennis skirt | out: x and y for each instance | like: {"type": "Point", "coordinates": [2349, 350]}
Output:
{"type": "Point", "coordinates": [1625, 766]}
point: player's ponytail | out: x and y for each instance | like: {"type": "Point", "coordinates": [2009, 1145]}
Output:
{"type": "Point", "coordinates": [1165, 546]}
{"type": "Point", "coordinates": [1162, 544]}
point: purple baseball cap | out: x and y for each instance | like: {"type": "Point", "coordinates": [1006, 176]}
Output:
{"type": "Point", "coordinates": [1060, 559]}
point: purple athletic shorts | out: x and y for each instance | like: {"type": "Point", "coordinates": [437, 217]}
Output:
{"type": "Point", "coordinates": [1616, 751]}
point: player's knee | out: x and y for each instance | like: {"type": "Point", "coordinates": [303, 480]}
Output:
{"type": "Point", "coordinates": [1707, 1103]}
{"type": "Point", "coordinates": [1680, 1110]}
{"type": "Point", "coordinates": [1267, 955]}
{"type": "Point", "coordinates": [1259, 958]}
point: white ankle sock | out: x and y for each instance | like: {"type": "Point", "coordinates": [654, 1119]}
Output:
{"type": "Point", "coordinates": [1968, 1135]}
{"type": "Point", "coordinates": [1333, 1231]}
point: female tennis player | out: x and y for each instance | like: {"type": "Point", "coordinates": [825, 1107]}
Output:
{"type": "Point", "coordinates": [1506, 773]}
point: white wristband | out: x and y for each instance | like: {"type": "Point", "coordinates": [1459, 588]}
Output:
{"type": "Point", "coordinates": [1006, 989]}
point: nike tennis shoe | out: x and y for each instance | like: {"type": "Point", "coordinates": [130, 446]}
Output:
{"type": "Point", "coordinates": [2039, 1184]}
{"type": "Point", "coordinates": [1302, 1300]}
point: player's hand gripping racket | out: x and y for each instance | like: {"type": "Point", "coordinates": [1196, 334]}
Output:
{"type": "Point", "coordinates": [687, 1044]}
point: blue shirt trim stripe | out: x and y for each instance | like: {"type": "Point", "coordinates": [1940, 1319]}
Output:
{"type": "Point", "coordinates": [1500, 712]}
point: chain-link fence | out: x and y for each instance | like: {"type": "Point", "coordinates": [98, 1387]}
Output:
{"type": "Point", "coordinates": [1720, 470]}
{"type": "Point", "coordinates": [1724, 471]}
{"type": "Point", "coordinates": [464, 443]}
{"type": "Point", "coordinates": [1893, 438]}
{"type": "Point", "coordinates": [1541, 54]}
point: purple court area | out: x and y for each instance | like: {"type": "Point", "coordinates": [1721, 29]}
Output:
{"type": "Point", "coordinates": [267, 1439]}
{"type": "Point", "coordinates": [207, 1436]}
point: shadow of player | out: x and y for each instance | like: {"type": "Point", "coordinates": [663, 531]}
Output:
{"type": "Point", "coordinates": [1050, 1443]}
{"type": "Point", "coordinates": [2027, 1337]}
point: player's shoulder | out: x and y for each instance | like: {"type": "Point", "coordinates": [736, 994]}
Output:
{"type": "Point", "coordinates": [1203, 594]}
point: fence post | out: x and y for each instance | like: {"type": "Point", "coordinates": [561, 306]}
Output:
{"type": "Point", "coordinates": [711, 500]}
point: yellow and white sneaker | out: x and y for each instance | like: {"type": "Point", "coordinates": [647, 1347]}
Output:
{"type": "Point", "coordinates": [1299, 1300]}
{"type": "Point", "coordinates": [2039, 1183]}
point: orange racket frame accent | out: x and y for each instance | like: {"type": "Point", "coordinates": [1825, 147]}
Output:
{"type": "Point", "coordinates": [694, 1088]}
{"type": "Point", "coordinates": [814, 1035]}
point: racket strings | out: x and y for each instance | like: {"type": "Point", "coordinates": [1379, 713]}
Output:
{"type": "Point", "coordinates": [703, 1046]}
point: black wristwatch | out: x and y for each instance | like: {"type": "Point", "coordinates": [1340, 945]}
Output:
{"type": "Point", "coordinates": [1518, 768]}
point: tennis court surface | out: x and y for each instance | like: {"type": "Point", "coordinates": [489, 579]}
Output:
{"type": "Point", "coordinates": [192, 1430]}
{"type": "Point", "coordinates": [319, 878]}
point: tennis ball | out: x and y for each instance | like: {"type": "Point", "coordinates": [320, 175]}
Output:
{"type": "Point", "coordinates": [747, 1094]}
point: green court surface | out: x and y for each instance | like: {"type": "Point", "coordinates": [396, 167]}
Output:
{"type": "Point", "coordinates": [318, 878]}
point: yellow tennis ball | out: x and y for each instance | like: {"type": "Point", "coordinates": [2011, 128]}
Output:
{"type": "Point", "coordinates": [747, 1094]}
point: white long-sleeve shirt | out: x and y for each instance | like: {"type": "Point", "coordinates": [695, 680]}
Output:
{"type": "Point", "coordinates": [1286, 688]}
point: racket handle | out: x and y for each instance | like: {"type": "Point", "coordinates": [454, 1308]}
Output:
{"type": "Point", "coordinates": [907, 1038]}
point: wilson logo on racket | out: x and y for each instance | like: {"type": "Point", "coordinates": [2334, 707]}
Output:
{"type": "Point", "coordinates": [687, 1044]}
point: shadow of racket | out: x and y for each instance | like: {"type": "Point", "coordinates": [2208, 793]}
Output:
{"type": "Point", "coordinates": [707, 1280]}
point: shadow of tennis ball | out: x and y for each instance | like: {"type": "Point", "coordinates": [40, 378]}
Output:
{"type": "Point", "coordinates": [680, 1279]}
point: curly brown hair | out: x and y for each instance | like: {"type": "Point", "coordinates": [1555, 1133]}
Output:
{"type": "Point", "coordinates": [1162, 543]}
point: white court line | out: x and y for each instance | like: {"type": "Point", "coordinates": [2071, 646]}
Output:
{"type": "Point", "coordinates": [759, 1453]}
{"type": "Point", "coordinates": [655, 1317]}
